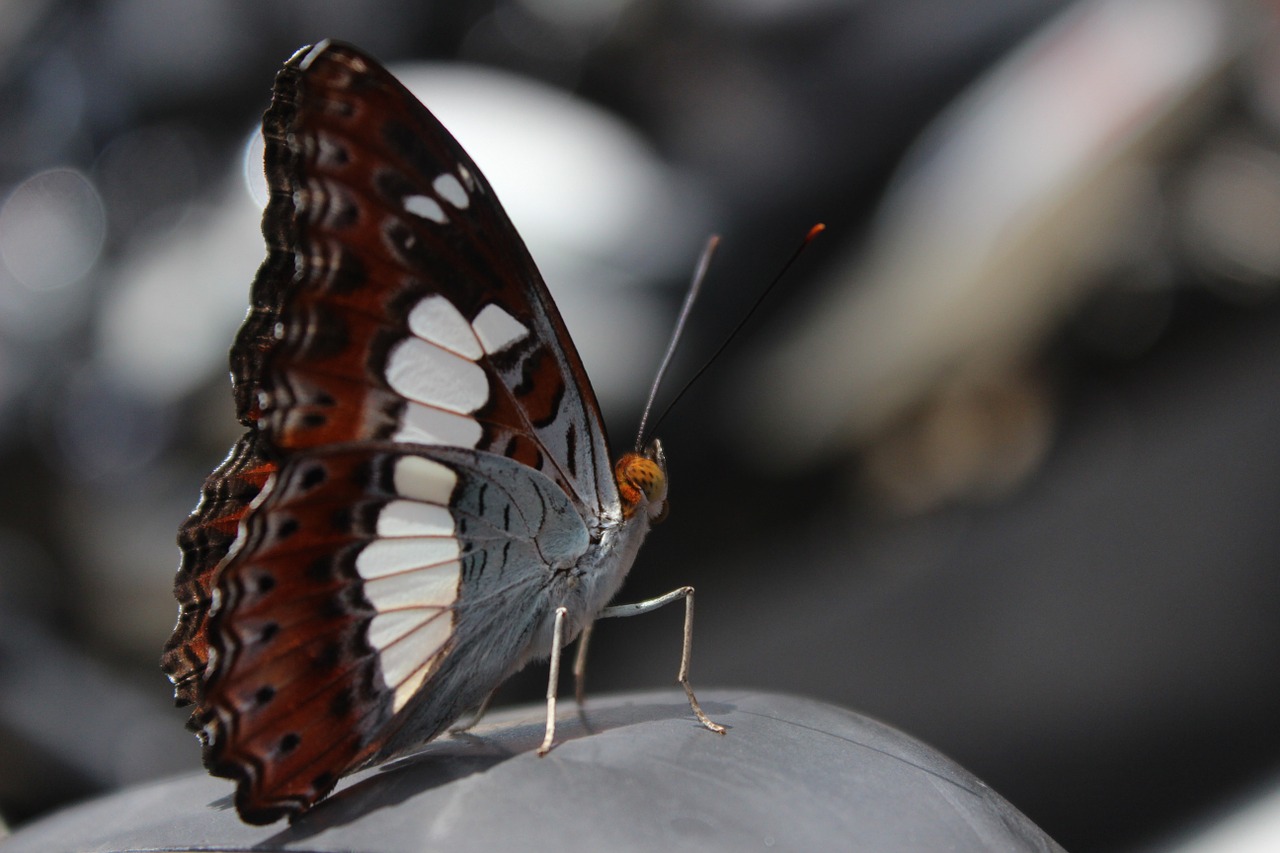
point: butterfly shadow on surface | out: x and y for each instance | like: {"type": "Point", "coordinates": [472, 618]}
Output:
{"type": "Point", "coordinates": [506, 734]}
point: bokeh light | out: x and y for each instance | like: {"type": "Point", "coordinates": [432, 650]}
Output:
{"type": "Point", "coordinates": [51, 229]}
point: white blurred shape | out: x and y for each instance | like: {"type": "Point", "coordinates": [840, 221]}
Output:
{"type": "Point", "coordinates": [167, 325]}
{"type": "Point", "coordinates": [51, 229]}
{"type": "Point", "coordinates": [573, 178]}
{"type": "Point", "coordinates": [1027, 183]}
{"type": "Point", "coordinates": [1253, 828]}
{"type": "Point", "coordinates": [601, 215]}
{"type": "Point", "coordinates": [1232, 213]}
{"type": "Point", "coordinates": [255, 177]}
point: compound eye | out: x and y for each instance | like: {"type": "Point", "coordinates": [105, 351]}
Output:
{"type": "Point", "coordinates": [640, 477]}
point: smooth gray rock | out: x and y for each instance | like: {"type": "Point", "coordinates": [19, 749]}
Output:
{"type": "Point", "coordinates": [791, 774]}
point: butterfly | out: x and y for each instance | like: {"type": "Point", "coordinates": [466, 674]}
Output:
{"type": "Point", "coordinates": [423, 500]}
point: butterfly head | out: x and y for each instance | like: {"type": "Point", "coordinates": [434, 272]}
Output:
{"type": "Point", "coordinates": [642, 482]}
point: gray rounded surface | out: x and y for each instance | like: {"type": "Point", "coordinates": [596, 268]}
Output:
{"type": "Point", "coordinates": [791, 774]}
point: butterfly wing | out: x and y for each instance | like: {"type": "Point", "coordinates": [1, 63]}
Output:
{"type": "Point", "coordinates": [204, 540]}
{"type": "Point", "coordinates": [375, 593]}
{"type": "Point", "coordinates": [397, 308]}
{"type": "Point", "coordinates": [397, 302]}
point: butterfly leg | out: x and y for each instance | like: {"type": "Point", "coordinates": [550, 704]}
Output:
{"type": "Point", "coordinates": [553, 678]}
{"type": "Point", "coordinates": [580, 667]}
{"type": "Point", "coordinates": [686, 653]}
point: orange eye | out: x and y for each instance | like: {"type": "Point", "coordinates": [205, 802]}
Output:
{"type": "Point", "coordinates": [640, 478]}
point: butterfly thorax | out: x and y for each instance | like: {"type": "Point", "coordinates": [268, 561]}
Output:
{"type": "Point", "coordinates": [642, 500]}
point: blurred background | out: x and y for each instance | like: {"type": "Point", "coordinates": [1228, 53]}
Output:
{"type": "Point", "coordinates": [999, 464]}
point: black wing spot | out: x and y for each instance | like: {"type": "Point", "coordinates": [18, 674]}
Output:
{"type": "Point", "coordinates": [266, 583]}
{"type": "Point", "coordinates": [346, 273]}
{"type": "Point", "coordinates": [329, 656]}
{"type": "Point", "coordinates": [321, 569]}
{"type": "Point", "coordinates": [268, 632]}
{"type": "Point", "coordinates": [333, 607]}
{"type": "Point", "coordinates": [571, 447]}
{"type": "Point", "coordinates": [289, 743]}
{"type": "Point", "coordinates": [265, 694]}
{"type": "Point", "coordinates": [314, 475]}
{"type": "Point", "coordinates": [341, 704]}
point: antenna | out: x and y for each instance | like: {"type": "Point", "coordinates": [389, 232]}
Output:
{"type": "Point", "coordinates": [694, 287]}
{"type": "Point", "coordinates": [699, 275]}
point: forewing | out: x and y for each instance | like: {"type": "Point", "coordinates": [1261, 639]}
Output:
{"type": "Point", "coordinates": [397, 301]}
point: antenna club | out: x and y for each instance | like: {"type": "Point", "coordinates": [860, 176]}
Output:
{"type": "Point", "coordinates": [814, 232]}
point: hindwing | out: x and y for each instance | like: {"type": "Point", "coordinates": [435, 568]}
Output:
{"type": "Point", "coordinates": [373, 595]}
